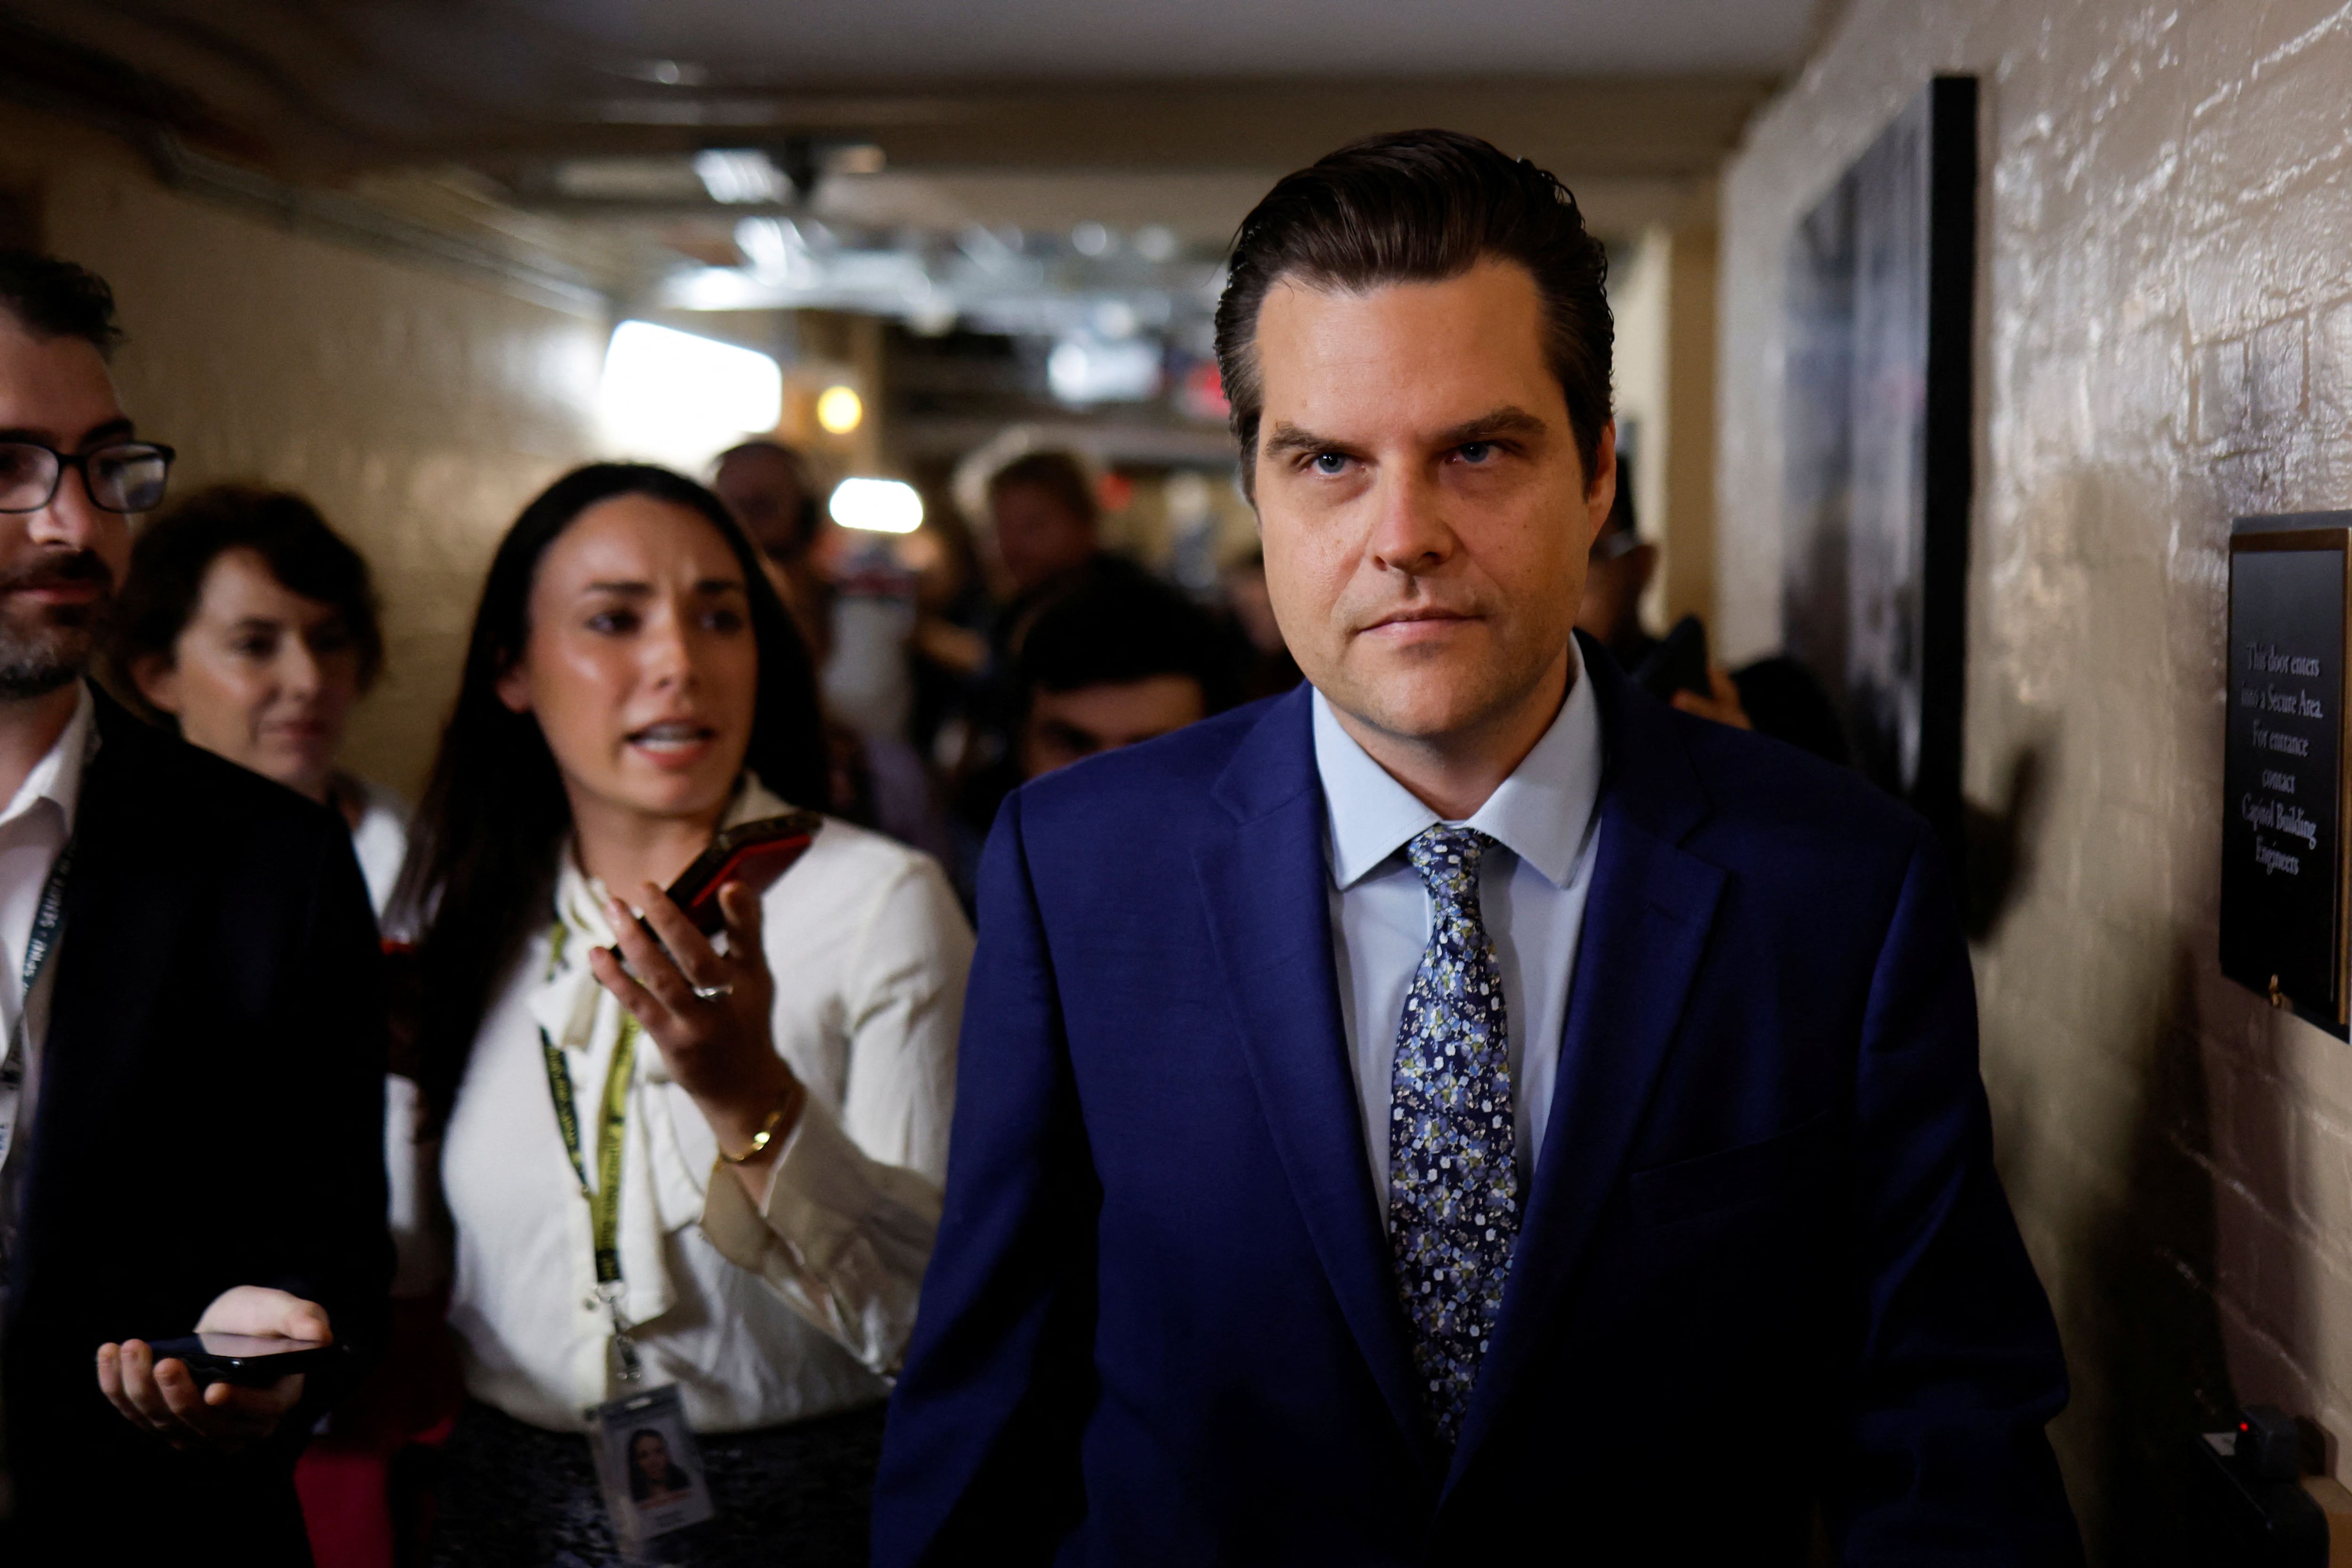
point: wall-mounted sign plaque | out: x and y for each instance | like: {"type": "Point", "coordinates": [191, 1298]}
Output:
{"type": "Point", "coordinates": [2283, 867]}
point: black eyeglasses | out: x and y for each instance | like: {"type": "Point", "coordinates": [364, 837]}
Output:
{"type": "Point", "coordinates": [120, 476]}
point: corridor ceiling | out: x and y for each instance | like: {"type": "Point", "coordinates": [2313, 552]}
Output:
{"type": "Point", "coordinates": [1067, 171]}
{"type": "Point", "coordinates": [1653, 89]}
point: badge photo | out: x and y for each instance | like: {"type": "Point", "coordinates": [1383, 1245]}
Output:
{"type": "Point", "coordinates": [646, 1464]}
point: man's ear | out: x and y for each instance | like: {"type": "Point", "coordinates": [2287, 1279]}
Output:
{"type": "Point", "coordinates": [1600, 485]}
{"type": "Point", "coordinates": [158, 680]}
{"type": "Point", "coordinates": [513, 687]}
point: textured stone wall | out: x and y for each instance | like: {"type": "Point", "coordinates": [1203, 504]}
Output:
{"type": "Point", "coordinates": [2164, 340]}
{"type": "Point", "coordinates": [418, 408]}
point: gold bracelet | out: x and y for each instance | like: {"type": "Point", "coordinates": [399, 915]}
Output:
{"type": "Point", "coordinates": [767, 1133]}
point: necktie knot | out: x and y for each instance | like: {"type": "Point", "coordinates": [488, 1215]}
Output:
{"type": "Point", "coordinates": [1448, 858]}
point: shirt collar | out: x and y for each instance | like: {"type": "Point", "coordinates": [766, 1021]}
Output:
{"type": "Point", "coordinates": [57, 776]}
{"type": "Point", "coordinates": [1541, 813]}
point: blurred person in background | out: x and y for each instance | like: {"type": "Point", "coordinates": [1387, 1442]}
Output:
{"type": "Point", "coordinates": [1271, 671]}
{"type": "Point", "coordinates": [191, 1085]}
{"type": "Point", "coordinates": [1044, 520]}
{"type": "Point", "coordinates": [1114, 664]}
{"type": "Point", "coordinates": [776, 1107]}
{"type": "Point", "coordinates": [777, 501]}
{"type": "Point", "coordinates": [249, 626]}
{"type": "Point", "coordinates": [1045, 534]}
{"type": "Point", "coordinates": [1106, 665]}
{"type": "Point", "coordinates": [864, 661]}
{"type": "Point", "coordinates": [1776, 696]}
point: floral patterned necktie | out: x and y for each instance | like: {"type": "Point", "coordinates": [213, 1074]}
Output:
{"type": "Point", "coordinates": [1453, 1188]}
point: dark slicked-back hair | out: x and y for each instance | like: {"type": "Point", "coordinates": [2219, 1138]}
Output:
{"type": "Point", "coordinates": [1421, 206]}
{"type": "Point", "coordinates": [51, 298]}
{"type": "Point", "coordinates": [1117, 626]}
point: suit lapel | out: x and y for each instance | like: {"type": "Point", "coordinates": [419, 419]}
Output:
{"type": "Point", "coordinates": [125, 905]}
{"type": "Point", "coordinates": [1264, 887]}
{"type": "Point", "coordinates": [1645, 927]}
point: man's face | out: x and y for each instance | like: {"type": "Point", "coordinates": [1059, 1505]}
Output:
{"type": "Point", "coordinates": [1066, 726]}
{"type": "Point", "coordinates": [1424, 513]}
{"type": "Point", "coordinates": [762, 491]}
{"type": "Point", "coordinates": [1038, 536]}
{"type": "Point", "coordinates": [58, 566]}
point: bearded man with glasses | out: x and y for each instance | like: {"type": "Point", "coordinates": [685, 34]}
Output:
{"type": "Point", "coordinates": [191, 1081]}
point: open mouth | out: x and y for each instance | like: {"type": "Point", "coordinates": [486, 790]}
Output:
{"type": "Point", "coordinates": [673, 740]}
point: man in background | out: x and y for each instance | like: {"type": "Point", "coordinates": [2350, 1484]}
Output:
{"type": "Point", "coordinates": [1113, 660]}
{"type": "Point", "coordinates": [191, 1101]}
{"type": "Point", "coordinates": [1044, 520]}
{"type": "Point", "coordinates": [768, 488]}
{"type": "Point", "coordinates": [1776, 696]}
{"type": "Point", "coordinates": [1113, 663]}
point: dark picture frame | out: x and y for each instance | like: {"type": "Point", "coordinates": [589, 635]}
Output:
{"type": "Point", "coordinates": [1880, 447]}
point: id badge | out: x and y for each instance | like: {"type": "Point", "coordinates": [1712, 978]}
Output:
{"type": "Point", "coordinates": [647, 1465]}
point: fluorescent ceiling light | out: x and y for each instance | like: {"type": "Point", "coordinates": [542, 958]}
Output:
{"type": "Point", "coordinates": [659, 379]}
{"type": "Point", "coordinates": [877, 506]}
{"type": "Point", "coordinates": [740, 176]}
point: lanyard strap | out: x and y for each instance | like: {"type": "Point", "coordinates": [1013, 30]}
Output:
{"type": "Point", "coordinates": [48, 916]}
{"type": "Point", "coordinates": [604, 1200]}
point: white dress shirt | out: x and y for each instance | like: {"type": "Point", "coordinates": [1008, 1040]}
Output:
{"type": "Point", "coordinates": [34, 830]}
{"type": "Point", "coordinates": [762, 1314]}
{"type": "Point", "coordinates": [1531, 893]}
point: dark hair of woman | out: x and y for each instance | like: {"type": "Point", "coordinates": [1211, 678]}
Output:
{"type": "Point", "coordinates": [173, 554]}
{"type": "Point", "coordinates": [482, 854]}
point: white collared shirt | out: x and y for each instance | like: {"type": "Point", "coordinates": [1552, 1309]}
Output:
{"type": "Point", "coordinates": [764, 1314]}
{"type": "Point", "coordinates": [34, 830]}
{"type": "Point", "coordinates": [1532, 889]}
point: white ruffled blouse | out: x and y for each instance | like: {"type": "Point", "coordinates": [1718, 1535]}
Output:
{"type": "Point", "coordinates": [764, 1314]}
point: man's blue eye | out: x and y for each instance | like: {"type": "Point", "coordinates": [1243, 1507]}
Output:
{"type": "Point", "coordinates": [1476, 451]}
{"type": "Point", "coordinates": [1329, 462]}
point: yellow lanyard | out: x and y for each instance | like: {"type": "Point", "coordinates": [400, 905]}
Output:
{"type": "Point", "coordinates": [605, 1201]}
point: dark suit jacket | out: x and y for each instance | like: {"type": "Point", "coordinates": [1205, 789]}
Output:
{"type": "Point", "coordinates": [1765, 1267]}
{"type": "Point", "coordinates": [211, 1114]}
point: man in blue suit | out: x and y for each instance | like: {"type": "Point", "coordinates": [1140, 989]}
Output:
{"type": "Point", "coordinates": [1464, 1111]}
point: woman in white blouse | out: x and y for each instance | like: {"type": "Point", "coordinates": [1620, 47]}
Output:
{"type": "Point", "coordinates": [780, 1113]}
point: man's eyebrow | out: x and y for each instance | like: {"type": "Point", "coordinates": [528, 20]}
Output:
{"type": "Point", "coordinates": [1288, 437]}
{"type": "Point", "coordinates": [1507, 420]}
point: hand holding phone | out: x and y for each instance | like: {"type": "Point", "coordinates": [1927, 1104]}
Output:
{"type": "Point", "coordinates": [159, 1393]}
{"type": "Point", "coordinates": [248, 1361]}
{"type": "Point", "coordinates": [753, 853]}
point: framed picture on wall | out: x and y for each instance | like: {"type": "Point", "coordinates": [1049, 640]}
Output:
{"type": "Point", "coordinates": [1882, 283]}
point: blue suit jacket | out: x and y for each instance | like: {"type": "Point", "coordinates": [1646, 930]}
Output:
{"type": "Point", "coordinates": [1767, 1268]}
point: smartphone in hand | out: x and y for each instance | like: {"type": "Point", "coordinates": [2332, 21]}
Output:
{"type": "Point", "coordinates": [754, 853]}
{"type": "Point", "coordinates": [248, 1361]}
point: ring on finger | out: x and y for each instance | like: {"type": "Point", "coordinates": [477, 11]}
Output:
{"type": "Point", "coordinates": [713, 993]}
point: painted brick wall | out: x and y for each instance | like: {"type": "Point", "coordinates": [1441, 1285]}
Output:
{"type": "Point", "coordinates": [419, 409]}
{"type": "Point", "coordinates": [2164, 341]}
